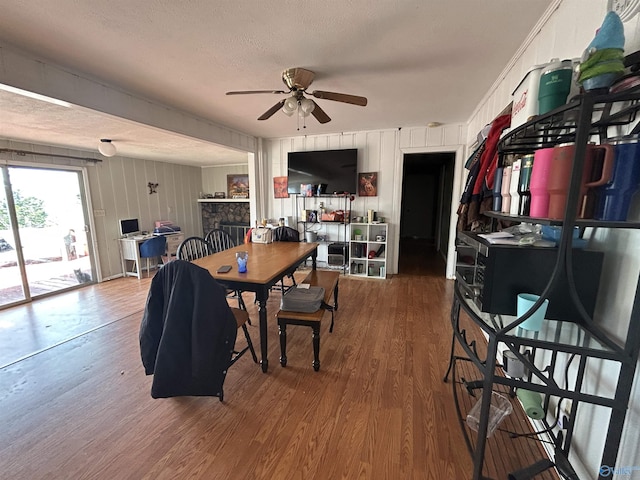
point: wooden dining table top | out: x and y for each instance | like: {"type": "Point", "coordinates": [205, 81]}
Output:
{"type": "Point", "coordinates": [267, 263]}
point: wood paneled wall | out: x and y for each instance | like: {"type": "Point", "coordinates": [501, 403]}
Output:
{"type": "Point", "coordinates": [378, 151]}
{"type": "Point", "coordinates": [118, 185]}
{"type": "Point", "coordinates": [214, 179]}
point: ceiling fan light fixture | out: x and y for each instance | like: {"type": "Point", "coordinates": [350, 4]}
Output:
{"type": "Point", "coordinates": [288, 109]}
{"type": "Point", "coordinates": [106, 148]}
{"type": "Point", "coordinates": [298, 81]}
{"type": "Point", "coordinates": [290, 105]}
{"type": "Point", "coordinates": [307, 106]}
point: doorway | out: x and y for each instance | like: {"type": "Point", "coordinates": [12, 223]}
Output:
{"type": "Point", "coordinates": [45, 246]}
{"type": "Point", "coordinates": [427, 188]}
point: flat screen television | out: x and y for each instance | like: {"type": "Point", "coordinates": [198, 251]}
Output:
{"type": "Point", "coordinates": [335, 170]}
{"type": "Point", "coordinates": [129, 227]}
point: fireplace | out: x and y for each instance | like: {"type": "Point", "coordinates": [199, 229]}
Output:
{"type": "Point", "coordinates": [233, 217]}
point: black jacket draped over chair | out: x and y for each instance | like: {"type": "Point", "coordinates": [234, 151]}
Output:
{"type": "Point", "coordinates": [188, 332]}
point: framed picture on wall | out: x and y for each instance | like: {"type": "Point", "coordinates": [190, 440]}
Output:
{"type": "Point", "coordinates": [238, 186]}
{"type": "Point", "coordinates": [368, 184]}
{"type": "Point", "coordinates": [280, 187]}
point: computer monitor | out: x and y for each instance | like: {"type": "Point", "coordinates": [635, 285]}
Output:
{"type": "Point", "coordinates": [129, 227]}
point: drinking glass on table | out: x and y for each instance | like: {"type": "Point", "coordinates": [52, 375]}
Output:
{"type": "Point", "coordinates": [241, 258]}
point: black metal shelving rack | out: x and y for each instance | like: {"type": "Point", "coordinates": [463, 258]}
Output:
{"type": "Point", "coordinates": [345, 200]}
{"type": "Point", "coordinates": [589, 115]}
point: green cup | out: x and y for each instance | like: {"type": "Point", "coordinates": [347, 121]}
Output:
{"type": "Point", "coordinates": [555, 85]}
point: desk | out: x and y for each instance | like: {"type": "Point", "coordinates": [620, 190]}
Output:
{"type": "Point", "coordinates": [130, 252]}
{"type": "Point", "coordinates": [267, 265]}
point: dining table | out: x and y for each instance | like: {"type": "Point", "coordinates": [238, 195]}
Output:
{"type": "Point", "coordinates": [267, 265]}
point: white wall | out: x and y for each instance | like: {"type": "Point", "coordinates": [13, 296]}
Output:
{"type": "Point", "coordinates": [214, 179]}
{"type": "Point", "coordinates": [118, 186]}
{"type": "Point", "coordinates": [378, 151]}
{"type": "Point", "coordinates": [565, 34]}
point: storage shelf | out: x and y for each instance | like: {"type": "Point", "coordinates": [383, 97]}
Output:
{"type": "Point", "coordinates": [549, 221]}
{"type": "Point", "coordinates": [331, 231]}
{"type": "Point", "coordinates": [560, 335]}
{"type": "Point", "coordinates": [561, 125]}
{"type": "Point", "coordinates": [574, 335]}
{"type": "Point", "coordinates": [375, 267]}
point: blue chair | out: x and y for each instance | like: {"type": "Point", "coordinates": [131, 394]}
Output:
{"type": "Point", "coordinates": [153, 248]}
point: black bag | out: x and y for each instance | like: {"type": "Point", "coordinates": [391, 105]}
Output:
{"type": "Point", "coordinates": [306, 300]}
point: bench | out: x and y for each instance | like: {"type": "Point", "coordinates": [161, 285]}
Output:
{"type": "Point", "coordinates": [320, 278]}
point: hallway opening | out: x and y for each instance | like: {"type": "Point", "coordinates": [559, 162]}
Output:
{"type": "Point", "coordinates": [427, 186]}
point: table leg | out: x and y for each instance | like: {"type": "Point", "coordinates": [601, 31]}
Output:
{"type": "Point", "coordinates": [314, 256]}
{"type": "Point", "coordinates": [263, 295]}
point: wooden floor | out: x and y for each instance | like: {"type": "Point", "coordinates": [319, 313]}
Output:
{"type": "Point", "coordinates": [79, 408]}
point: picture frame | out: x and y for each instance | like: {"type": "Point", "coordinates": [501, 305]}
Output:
{"type": "Point", "coordinates": [237, 185]}
{"type": "Point", "coordinates": [368, 184]}
{"type": "Point", "coordinates": [280, 185]}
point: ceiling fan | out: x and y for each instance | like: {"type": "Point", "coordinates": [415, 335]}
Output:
{"type": "Point", "coordinates": [298, 80]}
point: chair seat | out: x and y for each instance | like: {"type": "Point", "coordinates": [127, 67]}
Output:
{"type": "Point", "coordinates": [241, 316]}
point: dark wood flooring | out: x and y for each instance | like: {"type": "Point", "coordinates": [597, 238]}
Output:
{"type": "Point", "coordinates": [77, 406]}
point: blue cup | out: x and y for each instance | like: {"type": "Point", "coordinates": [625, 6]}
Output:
{"type": "Point", "coordinates": [242, 258]}
{"type": "Point", "coordinates": [614, 198]}
{"type": "Point", "coordinates": [525, 302]}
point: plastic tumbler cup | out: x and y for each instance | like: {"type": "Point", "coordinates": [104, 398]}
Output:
{"type": "Point", "coordinates": [543, 159]}
{"type": "Point", "coordinates": [614, 198]}
{"type": "Point", "coordinates": [241, 258]}
{"type": "Point", "coordinates": [525, 302]}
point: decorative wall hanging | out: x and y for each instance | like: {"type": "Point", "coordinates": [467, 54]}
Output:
{"type": "Point", "coordinates": [368, 184]}
{"type": "Point", "coordinates": [280, 187]}
{"type": "Point", "coordinates": [238, 186]}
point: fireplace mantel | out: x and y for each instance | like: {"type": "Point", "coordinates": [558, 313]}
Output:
{"type": "Point", "coordinates": [223, 200]}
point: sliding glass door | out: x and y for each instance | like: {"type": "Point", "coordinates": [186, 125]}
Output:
{"type": "Point", "coordinates": [12, 287]}
{"type": "Point", "coordinates": [44, 225]}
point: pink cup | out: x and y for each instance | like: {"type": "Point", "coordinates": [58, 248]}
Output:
{"type": "Point", "coordinates": [542, 160]}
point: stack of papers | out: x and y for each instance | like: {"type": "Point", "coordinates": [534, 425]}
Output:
{"type": "Point", "coordinates": [501, 238]}
{"type": "Point", "coordinates": [505, 238]}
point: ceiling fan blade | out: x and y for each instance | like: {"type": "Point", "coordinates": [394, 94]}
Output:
{"type": "Point", "coordinates": [246, 92]}
{"type": "Point", "coordinates": [320, 115]}
{"type": "Point", "coordinates": [271, 111]}
{"type": "Point", "coordinates": [341, 97]}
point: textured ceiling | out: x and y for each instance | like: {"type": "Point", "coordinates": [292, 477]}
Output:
{"type": "Point", "coordinates": [417, 61]}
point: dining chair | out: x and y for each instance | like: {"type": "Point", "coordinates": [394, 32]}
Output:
{"type": "Point", "coordinates": [193, 248]}
{"type": "Point", "coordinates": [218, 241]}
{"type": "Point", "coordinates": [188, 333]}
{"type": "Point", "coordinates": [286, 234]}
{"type": "Point", "coordinates": [154, 248]}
